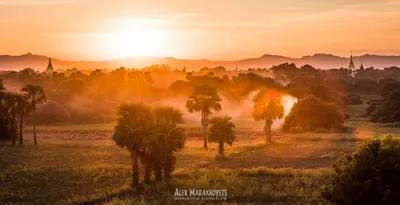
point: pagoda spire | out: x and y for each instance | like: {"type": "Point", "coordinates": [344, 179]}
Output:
{"type": "Point", "coordinates": [351, 65]}
{"type": "Point", "coordinates": [50, 66]}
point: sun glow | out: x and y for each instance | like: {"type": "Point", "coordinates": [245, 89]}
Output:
{"type": "Point", "coordinates": [138, 38]}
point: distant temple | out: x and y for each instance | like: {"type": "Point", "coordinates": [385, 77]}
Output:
{"type": "Point", "coordinates": [362, 67]}
{"type": "Point", "coordinates": [352, 67]}
{"type": "Point", "coordinates": [50, 68]}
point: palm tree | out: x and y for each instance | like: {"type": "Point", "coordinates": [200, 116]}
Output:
{"type": "Point", "coordinates": [34, 94]}
{"type": "Point", "coordinates": [268, 107]}
{"type": "Point", "coordinates": [2, 88]}
{"type": "Point", "coordinates": [21, 109]}
{"type": "Point", "coordinates": [221, 132]}
{"type": "Point", "coordinates": [204, 99]}
{"type": "Point", "coordinates": [135, 124]}
{"type": "Point", "coordinates": [11, 104]}
{"type": "Point", "coordinates": [167, 121]}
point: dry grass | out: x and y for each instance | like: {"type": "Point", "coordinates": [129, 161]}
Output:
{"type": "Point", "coordinates": [75, 164]}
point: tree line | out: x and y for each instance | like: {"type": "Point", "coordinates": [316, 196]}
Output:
{"type": "Point", "coordinates": [14, 107]}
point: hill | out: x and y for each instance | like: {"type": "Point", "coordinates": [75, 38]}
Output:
{"type": "Point", "coordinates": [323, 61]}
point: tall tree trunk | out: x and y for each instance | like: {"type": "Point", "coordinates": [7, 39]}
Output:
{"type": "Point", "coordinates": [221, 148]}
{"type": "Point", "coordinates": [266, 130]}
{"type": "Point", "coordinates": [169, 165]}
{"type": "Point", "coordinates": [269, 133]}
{"type": "Point", "coordinates": [16, 128]}
{"type": "Point", "coordinates": [147, 173]}
{"type": "Point", "coordinates": [158, 173]}
{"type": "Point", "coordinates": [34, 130]}
{"type": "Point", "coordinates": [21, 129]}
{"type": "Point", "coordinates": [135, 169]}
{"type": "Point", "coordinates": [203, 120]}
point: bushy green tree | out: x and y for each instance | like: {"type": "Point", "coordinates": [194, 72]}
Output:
{"type": "Point", "coordinates": [311, 113]}
{"type": "Point", "coordinates": [151, 135]}
{"type": "Point", "coordinates": [204, 99]}
{"type": "Point", "coordinates": [221, 132]}
{"type": "Point", "coordinates": [134, 124]}
{"type": "Point", "coordinates": [370, 176]}
{"type": "Point", "coordinates": [268, 107]}
{"type": "Point", "coordinates": [11, 104]}
{"type": "Point", "coordinates": [167, 126]}
{"type": "Point", "coordinates": [7, 123]}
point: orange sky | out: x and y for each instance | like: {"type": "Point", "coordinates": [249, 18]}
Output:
{"type": "Point", "coordinates": [212, 29]}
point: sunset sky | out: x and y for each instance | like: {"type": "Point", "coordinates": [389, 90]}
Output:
{"type": "Point", "coordinates": [197, 29]}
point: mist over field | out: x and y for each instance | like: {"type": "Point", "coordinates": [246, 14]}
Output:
{"type": "Point", "coordinates": [175, 102]}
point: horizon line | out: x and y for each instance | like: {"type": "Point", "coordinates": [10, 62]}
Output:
{"type": "Point", "coordinates": [199, 59]}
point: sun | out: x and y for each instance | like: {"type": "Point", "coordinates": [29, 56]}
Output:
{"type": "Point", "coordinates": [138, 39]}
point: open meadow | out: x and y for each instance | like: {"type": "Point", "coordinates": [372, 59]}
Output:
{"type": "Point", "coordinates": [80, 164]}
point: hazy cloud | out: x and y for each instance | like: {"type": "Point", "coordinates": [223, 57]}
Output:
{"type": "Point", "coordinates": [34, 2]}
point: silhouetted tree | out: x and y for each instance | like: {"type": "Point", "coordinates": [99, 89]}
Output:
{"type": "Point", "coordinates": [135, 123]}
{"type": "Point", "coordinates": [204, 99]}
{"type": "Point", "coordinates": [21, 108]}
{"type": "Point", "coordinates": [167, 120]}
{"type": "Point", "coordinates": [11, 103]}
{"type": "Point", "coordinates": [221, 132]}
{"type": "Point", "coordinates": [35, 95]}
{"type": "Point", "coordinates": [268, 107]}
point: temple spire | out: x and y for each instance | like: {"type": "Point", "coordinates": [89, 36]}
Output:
{"type": "Point", "coordinates": [50, 67]}
{"type": "Point", "coordinates": [351, 65]}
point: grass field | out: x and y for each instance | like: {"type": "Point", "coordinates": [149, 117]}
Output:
{"type": "Point", "coordinates": [80, 164]}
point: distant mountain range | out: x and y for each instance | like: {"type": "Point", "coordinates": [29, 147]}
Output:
{"type": "Point", "coordinates": [323, 61]}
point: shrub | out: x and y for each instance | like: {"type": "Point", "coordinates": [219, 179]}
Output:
{"type": "Point", "coordinates": [371, 175]}
{"type": "Point", "coordinates": [52, 112]}
{"type": "Point", "coordinates": [384, 119]}
{"type": "Point", "coordinates": [296, 130]}
{"type": "Point", "coordinates": [354, 99]}
{"type": "Point", "coordinates": [311, 113]}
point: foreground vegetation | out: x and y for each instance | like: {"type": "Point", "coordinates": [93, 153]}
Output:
{"type": "Point", "coordinates": [61, 172]}
{"type": "Point", "coordinates": [74, 165]}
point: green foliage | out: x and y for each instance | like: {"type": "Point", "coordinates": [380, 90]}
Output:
{"type": "Point", "coordinates": [354, 99]}
{"type": "Point", "coordinates": [52, 112]}
{"type": "Point", "coordinates": [268, 107]}
{"type": "Point", "coordinates": [34, 95]}
{"type": "Point", "coordinates": [311, 113]}
{"type": "Point", "coordinates": [8, 127]}
{"type": "Point", "coordinates": [221, 132]}
{"type": "Point", "coordinates": [134, 123]}
{"type": "Point", "coordinates": [387, 110]}
{"type": "Point", "coordinates": [72, 86]}
{"type": "Point", "coordinates": [371, 175]}
{"type": "Point", "coordinates": [204, 99]}
{"type": "Point", "coordinates": [153, 135]}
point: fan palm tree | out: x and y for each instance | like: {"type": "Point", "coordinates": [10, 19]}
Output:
{"type": "Point", "coordinates": [135, 124]}
{"type": "Point", "coordinates": [35, 95]}
{"type": "Point", "coordinates": [11, 103]}
{"type": "Point", "coordinates": [21, 109]}
{"type": "Point", "coordinates": [2, 88]}
{"type": "Point", "coordinates": [221, 132]}
{"type": "Point", "coordinates": [268, 107]}
{"type": "Point", "coordinates": [167, 121]}
{"type": "Point", "coordinates": [204, 99]}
